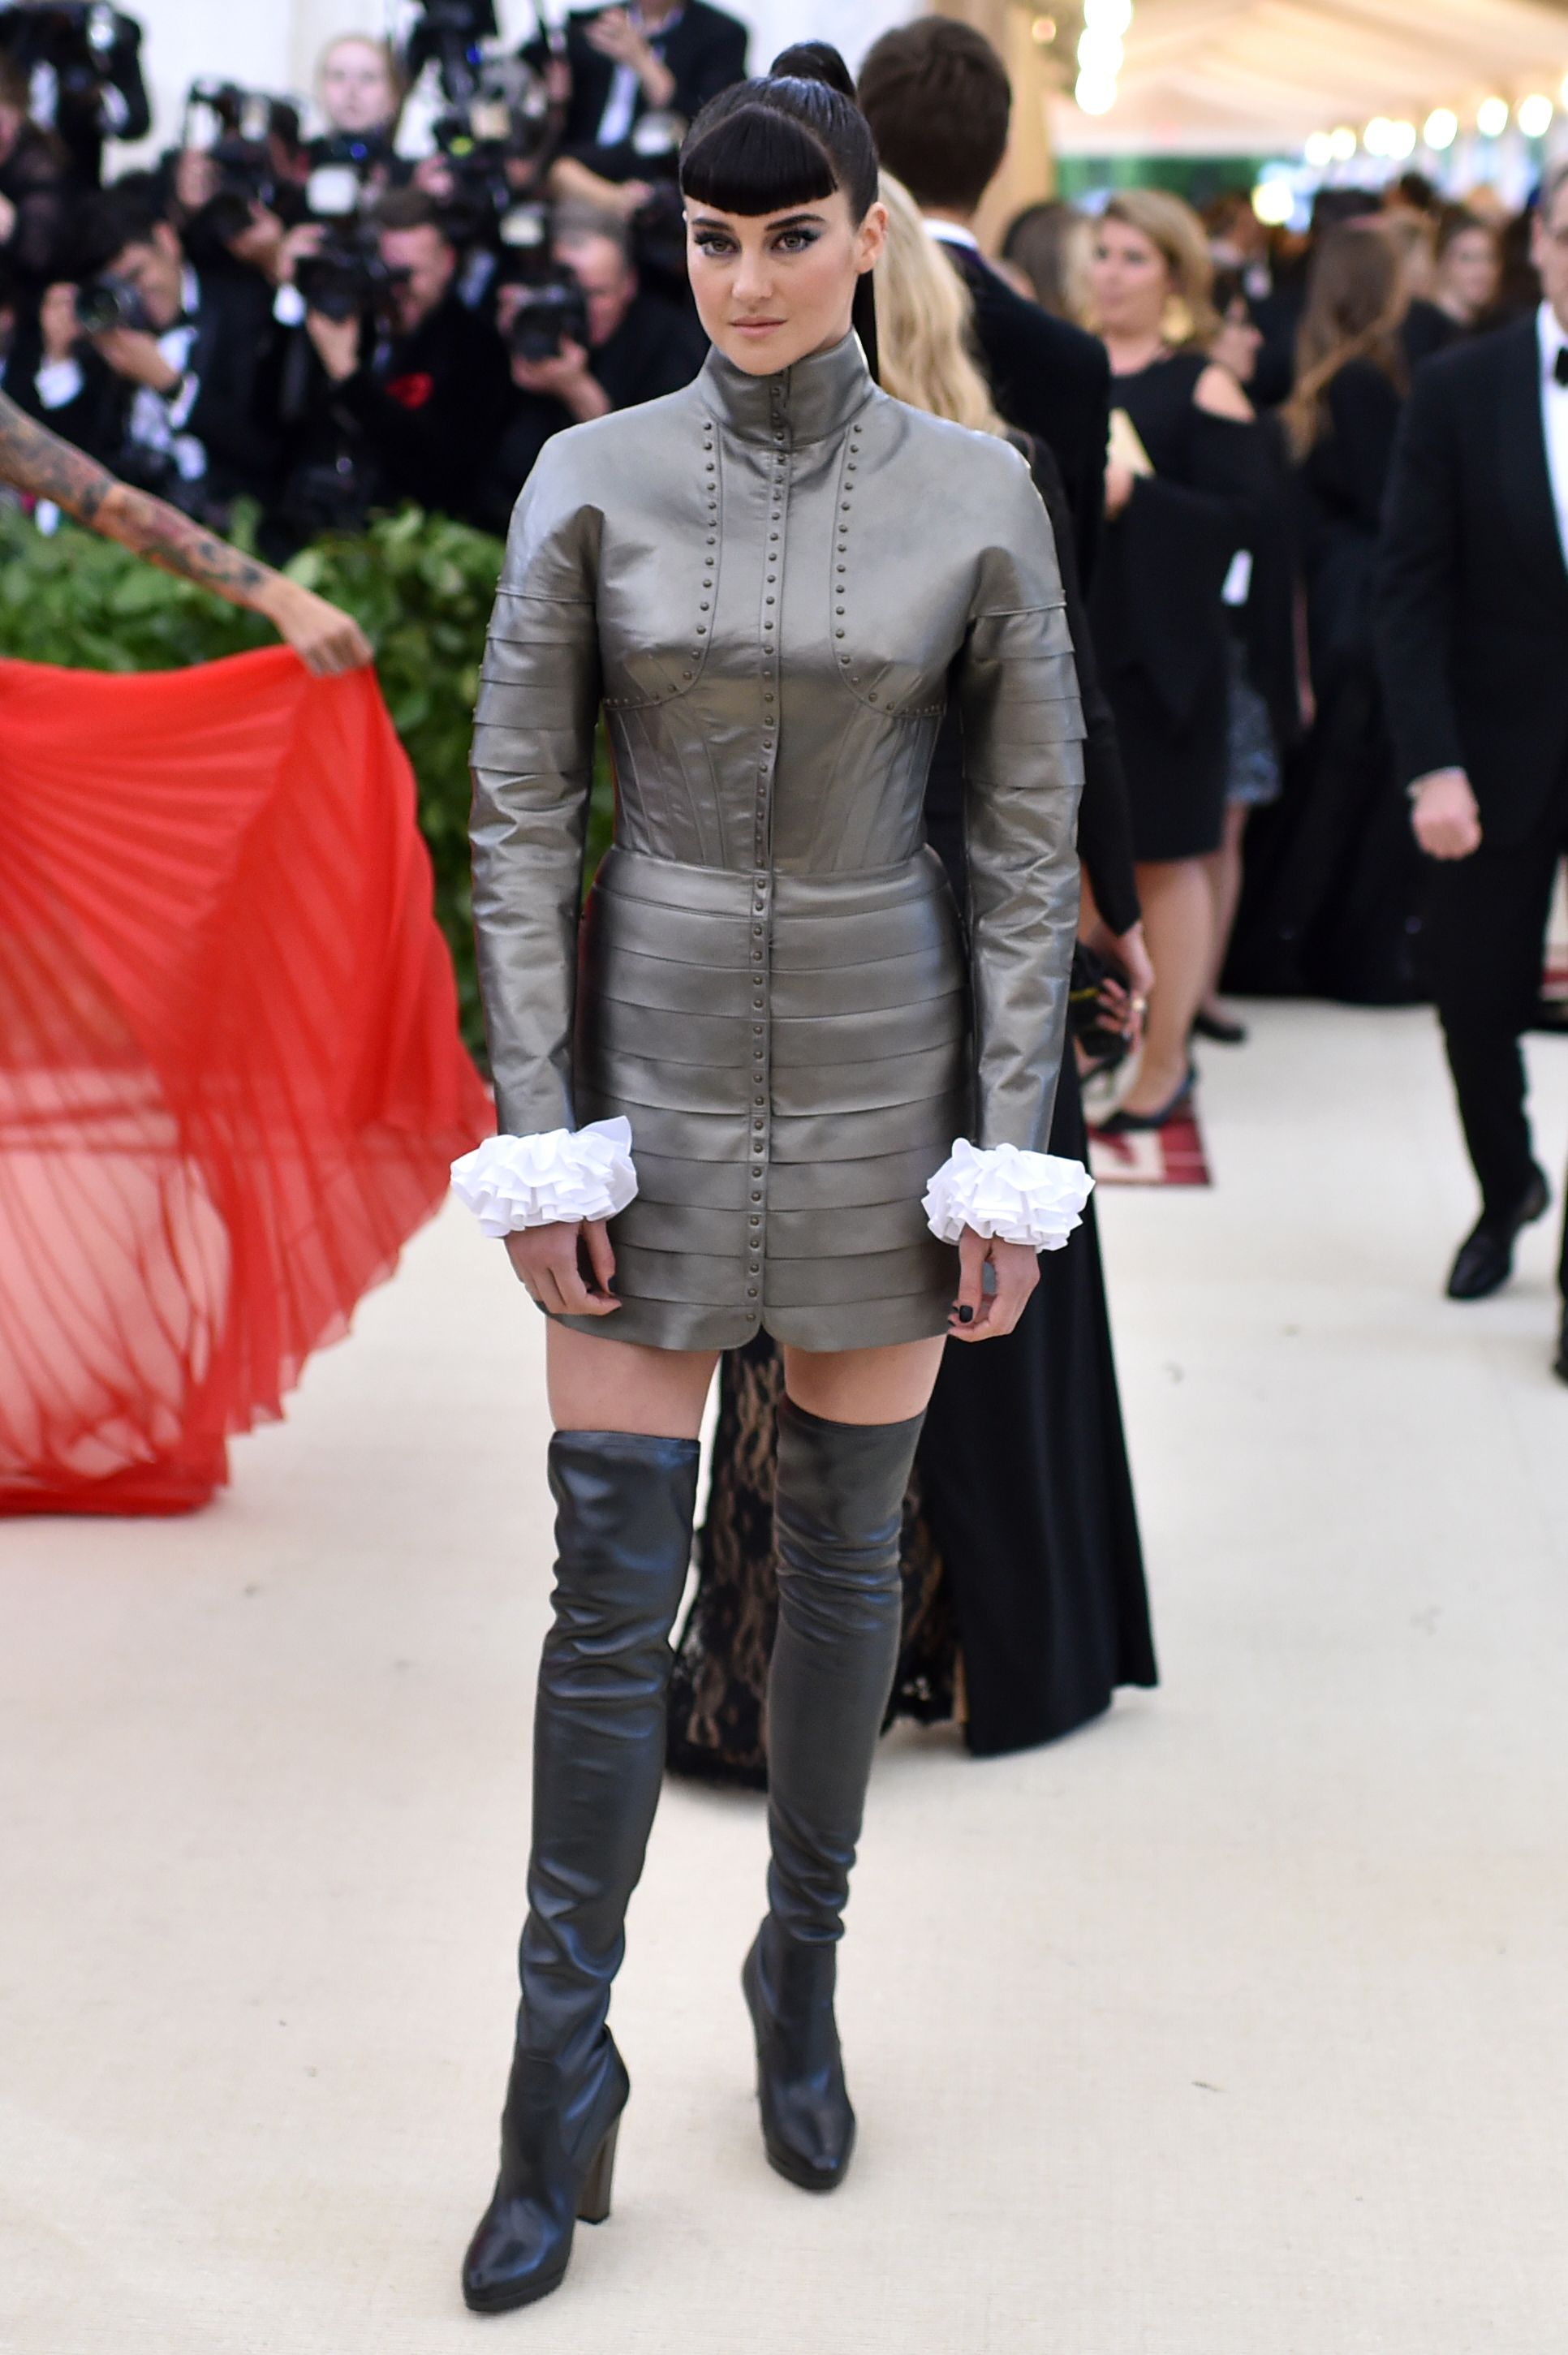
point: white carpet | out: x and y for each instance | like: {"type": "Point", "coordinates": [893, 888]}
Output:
{"type": "Point", "coordinates": [1232, 2026]}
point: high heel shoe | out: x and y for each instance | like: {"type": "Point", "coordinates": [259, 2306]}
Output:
{"type": "Point", "coordinates": [624, 1505]}
{"type": "Point", "coordinates": [1135, 1124]}
{"type": "Point", "coordinates": [808, 2125]}
{"type": "Point", "coordinates": [546, 2188]}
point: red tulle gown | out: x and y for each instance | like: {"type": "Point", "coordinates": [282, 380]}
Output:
{"type": "Point", "coordinates": [230, 1075]}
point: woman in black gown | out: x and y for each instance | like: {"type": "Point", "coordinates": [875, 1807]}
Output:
{"type": "Point", "coordinates": [1183, 489]}
{"type": "Point", "coordinates": [1021, 1555]}
{"type": "Point", "coordinates": [1333, 873]}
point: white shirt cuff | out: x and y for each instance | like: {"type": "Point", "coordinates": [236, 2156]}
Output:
{"type": "Point", "coordinates": [57, 382]}
{"type": "Point", "coordinates": [1024, 1197]}
{"type": "Point", "coordinates": [182, 400]}
{"type": "Point", "coordinates": [511, 1183]}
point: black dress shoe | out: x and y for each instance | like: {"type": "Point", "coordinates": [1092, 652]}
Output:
{"type": "Point", "coordinates": [1221, 1029]}
{"type": "Point", "coordinates": [1485, 1259]}
{"type": "Point", "coordinates": [1135, 1124]}
{"type": "Point", "coordinates": [1559, 1365]}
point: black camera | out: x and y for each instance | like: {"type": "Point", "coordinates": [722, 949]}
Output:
{"type": "Point", "coordinates": [452, 33]}
{"type": "Point", "coordinates": [235, 129]}
{"type": "Point", "coordinates": [552, 312]}
{"type": "Point", "coordinates": [109, 301]}
{"type": "Point", "coordinates": [79, 39]}
{"type": "Point", "coordinates": [345, 277]}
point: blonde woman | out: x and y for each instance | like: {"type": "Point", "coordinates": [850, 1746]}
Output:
{"type": "Point", "coordinates": [1183, 488]}
{"type": "Point", "coordinates": [1021, 1545]}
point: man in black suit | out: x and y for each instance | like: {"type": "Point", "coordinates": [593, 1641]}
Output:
{"type": "Point", "coordinates": [172, 398]}
{"type": "Point", "coordinates": [938, 100]}
{"type": "Point", "coordinates": [1472, 632]}
{"type": "Point", "coordinates": [667, 56]}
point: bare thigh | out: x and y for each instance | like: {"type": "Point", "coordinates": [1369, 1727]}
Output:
{"type": "Point", "coordinates": [864, 1385]}
{"type": "Point", "coordinates": [599, 1384]}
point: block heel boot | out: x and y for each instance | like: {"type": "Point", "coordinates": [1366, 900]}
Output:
{"type": "Point", "coordinates": [623, 1515]}
{"type": "Point", "coordinates": [838, 1515]}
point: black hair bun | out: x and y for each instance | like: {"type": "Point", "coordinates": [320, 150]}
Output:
{"type": "Point", "coordinates": [814, 61]}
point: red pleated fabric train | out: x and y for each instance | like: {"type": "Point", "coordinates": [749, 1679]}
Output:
{"type": "Point", "coordinates": [230, 1075]}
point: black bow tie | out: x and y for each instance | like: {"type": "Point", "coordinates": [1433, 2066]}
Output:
{"type": "Point", "coordinates": [1559, 365]}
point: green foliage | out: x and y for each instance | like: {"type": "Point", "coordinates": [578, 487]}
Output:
{"type": "Point", "coordinates": [419, 585]}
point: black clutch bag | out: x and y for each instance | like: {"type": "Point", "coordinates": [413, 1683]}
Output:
{"type": "Point", "coordinates": [1103, 1047]}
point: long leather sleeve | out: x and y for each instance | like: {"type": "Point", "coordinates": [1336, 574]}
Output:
{"type": "Point", "coordinates": [533, 768]}
{"type": "Point", "coordinates": [1417, 571]}
{"type": "Point", "coordinates": [1023, 770]}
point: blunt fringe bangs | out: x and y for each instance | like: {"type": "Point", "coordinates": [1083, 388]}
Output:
{"type": "Point", "coordinates": [768, 144]}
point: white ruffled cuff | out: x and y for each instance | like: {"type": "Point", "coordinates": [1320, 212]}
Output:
{"type": "Point", "coordinates": [1025, 1198]}
{"type": "Point", "coordinates": [564, 1174]}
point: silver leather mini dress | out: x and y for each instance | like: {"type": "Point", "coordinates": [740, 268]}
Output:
{"type": "Point", "coordinates": [770, 585]}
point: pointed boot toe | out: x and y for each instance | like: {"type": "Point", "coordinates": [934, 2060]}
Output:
{"type": "Point", "coordinates": [808, 2125]}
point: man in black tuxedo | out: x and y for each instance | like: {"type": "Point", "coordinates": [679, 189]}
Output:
{"type": "Point", "coordinates": [172, 398]}
{"type": "Point", "coordinates": [1473, 634]}
{"type": "Point", "coordinates": [665, 57]}
{"type": "Point", "coordinates": [938, 100]}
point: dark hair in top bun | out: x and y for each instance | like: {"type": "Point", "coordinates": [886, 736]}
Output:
{"type": "Point", "coordinates": [790, 137]}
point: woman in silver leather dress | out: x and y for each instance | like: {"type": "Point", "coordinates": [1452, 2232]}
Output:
{"type": "Point", "coordinates": [725, 1089]}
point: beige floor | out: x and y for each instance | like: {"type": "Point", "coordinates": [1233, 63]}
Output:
{"type": "Point", "coordinates": [1234, 2026]}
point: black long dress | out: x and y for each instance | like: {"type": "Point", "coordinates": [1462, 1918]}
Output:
{"type": "Point", "coordinates": [1330, 906]}
{"type": "Point", "coordinates": [1020, 1549]}
{"type": "Point", "coordinates": [1158, 618]}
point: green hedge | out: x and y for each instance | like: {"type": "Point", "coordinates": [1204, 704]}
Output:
{"type": "Point", "coordinates": [419, 585]}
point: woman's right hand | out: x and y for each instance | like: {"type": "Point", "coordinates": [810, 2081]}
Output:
{"type": "Point", "coordinates": [545, 1261]}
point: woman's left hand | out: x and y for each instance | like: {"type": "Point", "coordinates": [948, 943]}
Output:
{"type": "Point", "coordinates": [978, 1315]}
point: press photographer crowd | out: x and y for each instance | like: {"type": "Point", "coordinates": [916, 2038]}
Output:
{"type": "Point", "coordinates": [326, 324]}
{"type": "Point", "coordinates": [398, 293]}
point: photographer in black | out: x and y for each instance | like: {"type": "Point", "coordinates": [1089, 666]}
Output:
{"type": "Point", "coordinates": [626, 65]}
{"type": "Point", "coordinates": [156, 365]}
{"type": "Point", "coordinates": [82, 63]}
{"type": "Point", "coordinates": [35, 190]}
{"type": "Point", "coordinates": [585, 338]}
{"type": "Point", "coordinates": [408, 388]}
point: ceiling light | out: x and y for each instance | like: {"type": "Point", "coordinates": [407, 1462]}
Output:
{"type": "Point", "coordinates": [1440, 127]}
{"type": "Point", "coordinates": [1343, 143]}
{"type": "Point", "coordinates": [1096, 93]}
{"type": "Point", "coordinates": [1108, 16]}
{"type": "Point", "coordinates": [1399, 140]}
{"type": "Point", "coordinates": [1375, 138]}
{"type": "Point", "coordinates": [1533, 115]}
{"type": "Point", "coordinates": [1320, 149]}
{"type": "Point", "coordinates": [1099, 53]}
{"type": "Point", "coordinates": [1274, 203]}
{"type": "Point", "coordinates": [1491, 117]}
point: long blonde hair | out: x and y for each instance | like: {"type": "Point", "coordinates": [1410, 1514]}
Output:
{"type": "Point", "coordinates": [924, 322]}
{"type": "Point", "coordinates": [1175, 230]}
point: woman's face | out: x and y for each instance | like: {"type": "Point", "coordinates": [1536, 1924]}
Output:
{"type": "Point", "coordinates": [773, 288]}
{"type": "Point", "coordinates": [1469, 272]}
{"type": "Point", "coordinates": [357, 93]}
{"type": "Point", "coordinates": [1129, 281]}
{"type": "Point", "coordinates": [1238, 343]}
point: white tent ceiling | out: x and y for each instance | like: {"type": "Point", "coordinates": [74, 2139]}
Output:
{"type": "Point", "coordinates": [1256, 77]}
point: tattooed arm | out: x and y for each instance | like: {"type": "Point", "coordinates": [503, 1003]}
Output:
{"type": "Point", "coordinates": [34, 459]}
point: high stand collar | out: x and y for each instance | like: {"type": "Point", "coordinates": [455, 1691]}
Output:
{"type": "Point", "coordinates": [816, 398]}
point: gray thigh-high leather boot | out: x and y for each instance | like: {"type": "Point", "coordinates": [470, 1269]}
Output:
{"type": "Point", "coordinates": [623, 1515]}
{"type": "Point", "coordinates": [839, 1510]}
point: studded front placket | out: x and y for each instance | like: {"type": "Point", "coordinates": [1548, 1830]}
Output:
{"type": "Point", "coordinates": [768, 635]}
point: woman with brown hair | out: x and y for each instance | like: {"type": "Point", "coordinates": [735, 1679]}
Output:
{"type": "Point", "coordinates": [1183, 489]}
{"type": "Point", "coordinates": [1331, 887]}
{"type": "Point", "coordinates": [1020, 1551]}
{"type": "Point", "coordinates": [1470, 267]}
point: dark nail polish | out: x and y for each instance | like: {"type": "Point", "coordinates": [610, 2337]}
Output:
{"type": "Point", "coordinates": [966, 1316]}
